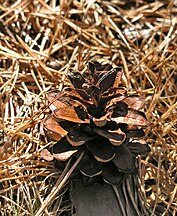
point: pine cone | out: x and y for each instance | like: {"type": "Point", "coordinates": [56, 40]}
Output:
{"type": "Point", "coordinates": [97, 117]}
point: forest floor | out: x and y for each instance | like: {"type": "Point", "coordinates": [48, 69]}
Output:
{"type": "Point", "coordinates": [40, 41]}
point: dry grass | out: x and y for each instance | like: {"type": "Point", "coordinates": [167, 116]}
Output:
{"type": "Point", "coordinates": [39, 42]}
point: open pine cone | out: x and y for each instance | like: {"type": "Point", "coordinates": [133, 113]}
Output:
{"type": "Point", "coordinates": [96, 117]}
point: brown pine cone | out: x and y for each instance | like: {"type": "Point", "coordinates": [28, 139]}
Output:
{"type": "Point", "coordinates": [97, 117]}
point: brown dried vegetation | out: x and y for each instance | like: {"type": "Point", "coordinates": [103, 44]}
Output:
{"type": "Point", "coordinates": [39, 42]}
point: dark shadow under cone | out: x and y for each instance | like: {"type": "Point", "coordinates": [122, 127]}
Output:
{"type": "Point", "coordinates": [106, 200]}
